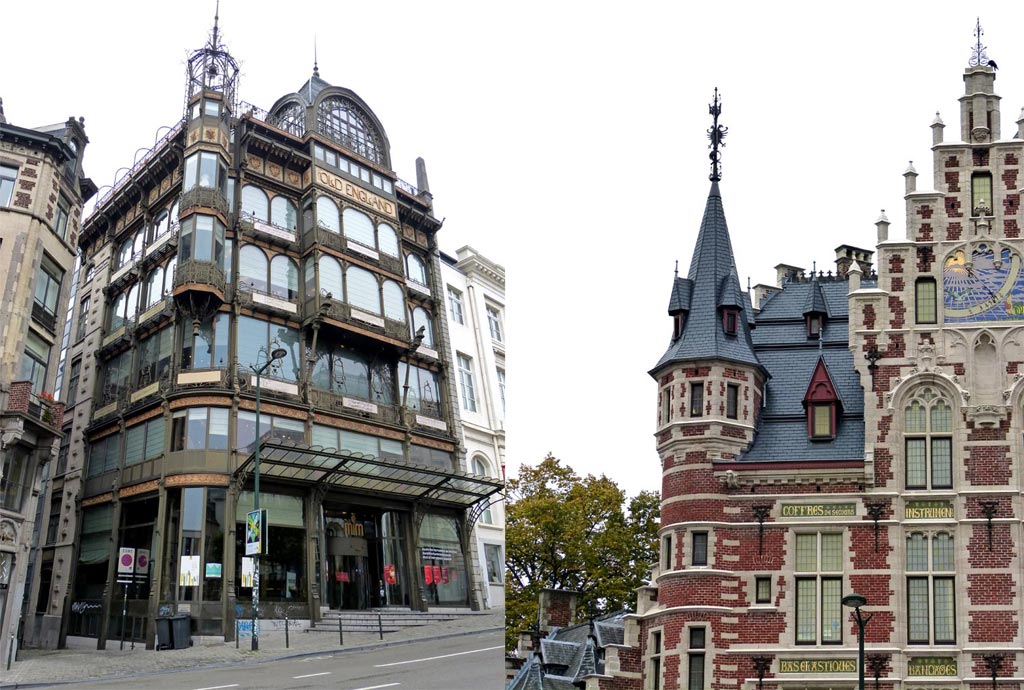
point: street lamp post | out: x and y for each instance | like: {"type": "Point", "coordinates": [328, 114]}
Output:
{"type": "Point", "coordinates": [413, 346]}
{"type": "Point", "coordinates": [276, 354]}
{"type": "Point", "coordinates": [855, 601]}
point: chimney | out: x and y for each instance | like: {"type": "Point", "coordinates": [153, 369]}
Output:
{"type": "Point", "coordinates": [557, 608]}
{"type": "Point", "coordinates": [846, 255]}
{"type": "Point", "coordinates": [784, 273]}
{"type": "Point", "coordinates": [763, 292]}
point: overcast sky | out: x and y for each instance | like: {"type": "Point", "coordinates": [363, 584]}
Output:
{"type": "Point", "coordinates": [566, 141]}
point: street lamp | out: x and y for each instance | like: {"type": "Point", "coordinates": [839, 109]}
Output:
{"type": "Point", "coordinates": [276, 354]}
{"type": "Point", "coordinates": [855, 601]}
{"type": "Point", "coordinates": [413, 346]}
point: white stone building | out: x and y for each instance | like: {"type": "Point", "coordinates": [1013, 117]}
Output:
{"type": "Point", "coordinates": [475, 302]}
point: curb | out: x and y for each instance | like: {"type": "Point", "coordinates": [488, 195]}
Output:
{"type": "Point", "coordinates": [251, 662]}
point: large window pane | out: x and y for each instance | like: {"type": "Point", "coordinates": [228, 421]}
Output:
{"type": "Point", "coordinates": [284, 277]}
{"type": "Point", "coordinates": [254, 203]}
{"type": "Point", "coordinates": [806, 610]}
{"type": "Point", "coordinates": [942, 463]}
{"type": "Point", "coordinates": [831, 610]}
{"type": "Point", "coordinates": [330, 278]}
{"type": "Point", "coordinates": [283, 213]}
{"type": "Point", "coordinates": [252, 268]}
{"type": "Point", "coordinates": [358, 227]}
{"type": "Point", "coordinates": [327, 214]}
{"type": "Point", "coordinates": [916, 463]}
{"type": "Point", "coordinates": [362, 289]}
{"type": "Point", "coordinates": [917, 553]}
{"type": "Point", "coordinates": [944, 624]}
{"type": "Point", "coordinates": [917, 609]}
{"type": "Point", "coordinates": [387, 239]}
{"type": "Point", "coordinates": [832, 552]}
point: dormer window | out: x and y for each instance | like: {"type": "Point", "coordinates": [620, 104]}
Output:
{"type": "Point", "coordinates": [814, 322]}
{"type": "Point", "coordinates": [822, 405]}
{"type": "Point", "coordinates": [678, 321]}
{"type": "Point", "coordinates": [981, 194]}
{"type": "Point", "coordinates": [730, 320]}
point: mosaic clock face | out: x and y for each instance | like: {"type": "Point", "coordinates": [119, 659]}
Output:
{"type": "Point", "coordinates": [989, 287]}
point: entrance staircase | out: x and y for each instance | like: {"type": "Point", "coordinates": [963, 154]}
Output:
{"type": "Point", "coordinates": [390, 620]}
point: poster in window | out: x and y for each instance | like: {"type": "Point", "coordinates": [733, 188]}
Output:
{"type": "Point", "coordinates": [428, 574]}
{"type": "Point", "coordinates": [188, 574]}
{"type": "Point", "coordinates": [142, 562]}
{"type": "Point", "coordinates": [437, 574]}
{"type": "Point", "coordinates": [390, 574]}
{"type": "Point", "coordinates": [444, 575]}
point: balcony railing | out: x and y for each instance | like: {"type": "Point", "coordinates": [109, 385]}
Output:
{"type": "Point", "coordinates": [40, 409]}
{"type": "Point", "coordinates": [46, 318]}
{"type": "Point", "coordinates": [261, 229]}
{"type": "Point", "coordinates": [202, 197]}
{"type": "Point", "coordinates": [194, 272]}
{"type": "Point", "coordinates": [353, 407]}
{"type": "Point", "coordinates": [125, 273]}
{"type": "Point", "coordinates": [345, 313]}
{"type": "Point", "coordinates": [252, 298]}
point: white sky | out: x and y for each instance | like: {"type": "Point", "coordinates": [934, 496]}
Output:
{"type": "Point", "coordinates": [566, 141]}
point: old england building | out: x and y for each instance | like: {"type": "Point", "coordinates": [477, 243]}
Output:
{"type": "Point", "coordinates": [855, 431]}
{"type": "Point", "coordinates": [241, 233]}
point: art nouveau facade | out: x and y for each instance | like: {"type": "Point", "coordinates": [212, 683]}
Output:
{"type": "Point", "coordinates": [475, 295]}
{"type": "Point", "coordinates": [242, 232]}
{"type": "Point", "coordinates": [860, 430]}
{"type": "Point", "coordinates": [41, 195]}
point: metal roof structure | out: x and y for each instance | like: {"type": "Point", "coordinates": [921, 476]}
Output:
{"type": "Point", "coordinates": [333, 468]}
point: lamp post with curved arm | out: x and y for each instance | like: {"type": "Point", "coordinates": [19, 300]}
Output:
{"type": "Point", "coordinates": [855, 601]}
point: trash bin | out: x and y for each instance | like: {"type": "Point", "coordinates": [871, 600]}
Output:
{"type": "Point", "coordinates": [181, 630]}
{"type": "Point", "coordinates": [163, 633]}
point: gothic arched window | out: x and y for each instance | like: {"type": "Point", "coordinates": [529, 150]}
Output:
{"type": "Point", "coordinates": [291, 118]}
{"type": "Point", "coordinates": [344, 122]}
{"type": "Point", "coordinates": [928, 429]}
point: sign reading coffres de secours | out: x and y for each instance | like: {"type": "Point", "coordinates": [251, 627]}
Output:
{"type": "Point", "coordinates": [256, 533]}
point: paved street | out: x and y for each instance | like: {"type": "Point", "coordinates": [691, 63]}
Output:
{"type": "Point", "coordinates": [468, 633]}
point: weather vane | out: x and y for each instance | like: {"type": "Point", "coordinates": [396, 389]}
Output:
{"type": "Point", "coordinates": [978, 56]}
{"type": "Point", "coordinates": [717, 136]}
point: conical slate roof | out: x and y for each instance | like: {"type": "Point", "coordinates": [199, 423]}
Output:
{"type": "Point", "coordinates": [814, 303]}
{"type": "Point", "coordinates": [713, 283]}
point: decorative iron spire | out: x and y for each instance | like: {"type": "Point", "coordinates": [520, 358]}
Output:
{"type": "Point", "coordinates": [316, 69]}
{"type": "Point", "coordinates": [978, 56]}
{"type": "Point", "coordinates": [215, 41]}
{"type": "Point", "coordinates": [717, 136]}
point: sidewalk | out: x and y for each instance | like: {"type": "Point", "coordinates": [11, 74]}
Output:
{"type": "Point", "coordinates": [39, 668]}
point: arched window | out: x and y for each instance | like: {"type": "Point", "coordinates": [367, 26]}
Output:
{"type": "Point", "coordinates": [161, 224]}
{"type": "Point", "coordinates": [327, 214]}
{"type": "Point", "coordinates": [169, 270]}
{"type": "Point", "coordinates": [420, 317]}
{"type": "Point", "coordinates": [283, 213]}
{"type": "Point", "coordinates": [343, 121]}
{"type": "Point", "coordinates": [929, 444]}
{"type": "Point", "coordinates": [394, 301]}
{"type": "Point", "coordinates": [482, 468]}
{"type": "Point", "coordinates": [155, 287]}
{"type": "Point", "coordinates": [363, 290]}
{"type": "Point", "coordinates": [284, 277]}
{"type": "Point", "coordinates": [415, 269]}
{"type": "Point", "coordinates": [252, 268]}
{"type": "Point", "coordinates": [291, 118]}
{"type": "Point", "coordinates": [330, 278]}
{"type": "Point", "coordinates": [387, 239]}
{"type": "Point", "coordinates": [358, 226]}
{"type": "Point", "coordinates": [254, 203]}
{"type": "Point", "coordinates": [124, 254]}
{"type": "Point", "coordinates": [124, 308]}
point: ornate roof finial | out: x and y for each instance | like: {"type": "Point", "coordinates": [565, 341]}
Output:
{"type": "Point", "coordinates": [978, 56]}
{"type": "Point", "coordinates": [316, 69]}
{"type": "Point", "coordinates": [677, 268]}
{"type": "Point", "coordinates": [216, 19]}
{"type": "Point", "coordinates": [717, 136]}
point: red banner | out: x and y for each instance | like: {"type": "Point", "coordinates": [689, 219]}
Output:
{"type": "Point", "coordinates": [428, 574]}
{"type": "Point", "coordinates": [437, 574]}
{"type": "Point", "coordinates": [390, 574]}
{"type": "Point", "coordinates": [444, 575]}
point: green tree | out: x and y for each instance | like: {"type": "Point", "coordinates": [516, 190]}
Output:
{"type": "Point", "coordinates": [571, 532]}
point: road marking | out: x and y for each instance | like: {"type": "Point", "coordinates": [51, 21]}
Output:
{"type": "Point", "coordinates": [374, 687]}
{"type": "Point", "coordinates": [218, 687]}
{"type": "Point", "coordinates": [444, 656]}
{"type": "Point", "coordinates": [310, 675]}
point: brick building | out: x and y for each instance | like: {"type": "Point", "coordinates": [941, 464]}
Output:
{"type": "Point", "coordinates": [244, 233]}
{"type": "Point", "coordinates": [853, 431]}
{"type": "Point", "coordinates": [42, 191]}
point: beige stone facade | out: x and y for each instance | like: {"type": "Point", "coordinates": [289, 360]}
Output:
{"type": "Point", "coordinates": [41, 196]}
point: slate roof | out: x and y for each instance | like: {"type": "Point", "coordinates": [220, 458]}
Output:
{"type": "Point", "coordinates": [713, 283]}
{"type": "Point", "coordinates": [313, 86]}
{"type": "Point", "coordinates": [567, 655]}
{"type": "Point", "coordinates": [781, 344]}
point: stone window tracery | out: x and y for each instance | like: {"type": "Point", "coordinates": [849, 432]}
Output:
{"type": "Point", "coordinates": [928, 427]}
{"type": "Point", "coordinates": [343, 121]}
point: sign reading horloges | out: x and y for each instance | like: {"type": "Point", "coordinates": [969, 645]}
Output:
{"type": "Point", "coordinates": [817, 665]}
{"type": "Point", "coordinates": [931, 666]}
{"type": "Point", "coordinates": [927, 510]}
{"type": "Point", "coordinates": [819, 510]}
{"type": "Point", "coordinates": [352, 191]}
{"type": "Point", "coordinates": [985, 286]}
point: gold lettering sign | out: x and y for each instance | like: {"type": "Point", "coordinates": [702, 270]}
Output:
{"type": "Point", "coordinates": [819, 510]}
{"type": "Point", "coordinates": [352, 191]}
{"type": "Point", "coordinates": [817, 666]}
{"type": "Point", "coordinates": [924, 510]}
{"type": "Point", "coordinates": [932, 666]}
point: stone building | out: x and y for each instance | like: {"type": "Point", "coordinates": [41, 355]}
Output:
{"type": "Point", "coordinates": [859, 430]}
{"type": "Point", "coordinates": [41, 195]}
{"type": "Point", "coordinates": [475, 291]}
{"type": "Point", "coordinates": [245, 238]}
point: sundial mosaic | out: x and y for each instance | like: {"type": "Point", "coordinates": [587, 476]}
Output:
{"type": "Point", "coordinates": [989, 287]}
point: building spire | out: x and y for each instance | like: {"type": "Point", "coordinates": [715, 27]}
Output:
{"type": "Point", "coordinates": [215, 41]}
{"type": "Point", "coordinates": [717, 136]}
{"type": "Point", "coordinates": [978, 55]}
{"type": "Point", "coordinates": [316, 69]}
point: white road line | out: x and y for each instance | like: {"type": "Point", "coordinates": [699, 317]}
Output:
{"type": "Point", "coordinates": [311, 675]}
{"type": "Point", "coordinates": [374, 687]}
{"type": "Point", "coordinates": [218, 687]}
{"type": "Point", "coordinates": [431, 658]}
